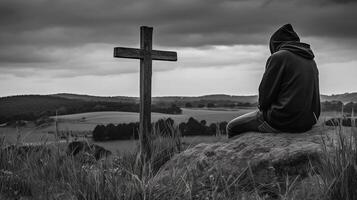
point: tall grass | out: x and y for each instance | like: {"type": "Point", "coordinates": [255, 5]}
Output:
{"type": "Point", "coordinates": [338, 169]}
{"type": "Point", "coordinates": [47, 172]}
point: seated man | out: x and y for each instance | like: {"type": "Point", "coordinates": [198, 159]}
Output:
{"type": "Point", "coordinates": [289, 98]}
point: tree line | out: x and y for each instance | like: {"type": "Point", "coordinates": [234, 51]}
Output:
{"type": "Point", "coordinates": [213, 104]}
{"type": "Point", "coordinates": [325, 106]}
{"type": "Point", "coordinates": [125, 131]}
{"type": "Point", "coordinates": [33, 107]}
{"type": "Point", "coordinates": [339, 106]}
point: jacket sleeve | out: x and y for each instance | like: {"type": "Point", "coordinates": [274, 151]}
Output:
{"type": "Point", "coordinates": [270, 85]}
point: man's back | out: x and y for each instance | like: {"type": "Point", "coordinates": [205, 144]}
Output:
{"type": "Point", "coordinates": [289, 91]}
{"type": "Point", "coordinates": [289, 98]}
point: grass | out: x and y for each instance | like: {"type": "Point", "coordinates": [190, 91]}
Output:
{"type": "Point", "coordinates": [339, 167]}
{"type": "Point", "coordinates": [86, 122]}
{"type": "Point", "coordinates": [48, 173]}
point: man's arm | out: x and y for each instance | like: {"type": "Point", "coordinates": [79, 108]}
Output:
{"type": "Point", "coordinates": [270, 85]}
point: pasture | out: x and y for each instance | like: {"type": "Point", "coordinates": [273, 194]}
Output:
{"type": "Point", "coordinates": [85, 122]}
{"type": "Point", "coordinates": [82, 124]}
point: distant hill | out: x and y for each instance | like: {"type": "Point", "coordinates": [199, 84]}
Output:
{"type": "Point", "coordinates": [215, 97]}
{"type": "Point", "coordinates": [166, 99]}
{"type": "Point", "coordinates": [345, 98]}
{"type": "Point", "coordinates": [31, 107]}
{"type": "Point", "coordinates": [97, 98]}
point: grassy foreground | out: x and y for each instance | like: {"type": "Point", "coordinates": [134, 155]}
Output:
{"type": "Point", "coordinates": [48, 173]}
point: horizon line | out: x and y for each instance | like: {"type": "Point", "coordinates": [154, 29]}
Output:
{"type": "Point", "coordinates": [212, 94]}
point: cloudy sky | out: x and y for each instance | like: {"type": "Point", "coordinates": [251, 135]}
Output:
{"type": "Point", "coordinates": [53, 46]}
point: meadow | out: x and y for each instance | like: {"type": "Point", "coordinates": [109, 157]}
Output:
{"type": "Point", "coordinates": [87, 121]}
{"type": "Point", "coordinates": [59, 176]}
{"type": "Point", "coordinates": [83, 124]}
{"type": "Point", "coordinates": [48, 173]}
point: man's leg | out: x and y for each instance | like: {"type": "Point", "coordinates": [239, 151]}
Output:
{"type": "Point", "coordinates": [243, 123]}
{"type": "Point", "coordinates": [252, 121]}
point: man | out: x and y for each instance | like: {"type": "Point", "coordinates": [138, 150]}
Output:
{"type": "Point", "coordinates": [289, 98]}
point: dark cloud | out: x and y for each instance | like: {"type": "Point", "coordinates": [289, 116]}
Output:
{"type": "Point", "coordinates": [208, 21]}
{"type": "Point", "coordinates": [315, 2]}
{"type": "Point", "coordinates": [31, 29]}
{"type": "Point", "coordinates": [339, 1]}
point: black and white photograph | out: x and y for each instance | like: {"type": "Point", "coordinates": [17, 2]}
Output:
{"type": "Point", "coordinates": [178, 100]}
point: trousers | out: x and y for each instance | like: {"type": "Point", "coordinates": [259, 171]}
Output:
{"type": "Point", "coordinates": [253, 121]}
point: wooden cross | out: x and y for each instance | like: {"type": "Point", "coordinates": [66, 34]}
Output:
{"type": "Point", "coordinates": [146, 55]}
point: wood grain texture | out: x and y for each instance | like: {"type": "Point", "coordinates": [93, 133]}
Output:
{"type": "Point", "coordinates": [145, 92]}
{"type": "Point", "coordinates": [164, 55]}
{"type": "Point", "coordinates": [146, 55]}
{"type": "Point", "coordinates": [123, 52]}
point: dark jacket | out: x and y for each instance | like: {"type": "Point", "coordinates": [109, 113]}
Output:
{"type": "Point", "coordinates": [289, 91]}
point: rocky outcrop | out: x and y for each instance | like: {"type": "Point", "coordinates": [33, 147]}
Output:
{"type": "Point", "coordinates": [251, 160]}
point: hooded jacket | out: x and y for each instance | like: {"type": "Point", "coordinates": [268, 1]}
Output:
{"type": "Point", "coordinates": [289, 91]}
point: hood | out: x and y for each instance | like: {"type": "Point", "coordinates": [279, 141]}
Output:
{"type": "Point", "coordinates": [286, 38]}
{"type": "Point", "coordinates": [298, 48]}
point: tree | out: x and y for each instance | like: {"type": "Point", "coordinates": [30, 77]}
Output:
{"type": "Point", "coordinates": [175, 109]}
{"type": "Point", "coordinates": [212, 129]}
{"type": "Point", "coordinates": [188, 105]}
{"type": "Point", "coordinates": [98, 133]}
{"type": "Point", "coordinates": [193, 127]}
{"type": "Point", "coordinates": [203, 122]}
{"type": "Point", "coordinates": [210, 105]}
{"type": "Point", "coordinates": [222, 127]}
{"type": "Point", "coordinates": [347, 108]}
{"type": "Point", "coordinates": [182, 127]}
{"type": "Point", "coordinates": [200, 105]}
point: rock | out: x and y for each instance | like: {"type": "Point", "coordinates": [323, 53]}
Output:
{"type": "Point", "coordinates": [77, 147]}
{"type": "Point", "coordinates": [251, 160]}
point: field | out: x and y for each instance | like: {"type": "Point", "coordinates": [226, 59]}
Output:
{"type": "Point", "coordinates": [87, 121]}
{"type": "Point", "coordinates": [84, 123]}
{"type": "Point", "coordinates": [58, 176]}
{"type": "Point", "coordinates": [48, 173]}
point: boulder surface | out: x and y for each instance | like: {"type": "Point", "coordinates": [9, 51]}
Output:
{"type": "Point", "coordinates": [251, 159]}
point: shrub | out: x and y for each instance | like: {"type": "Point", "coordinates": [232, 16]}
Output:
{"type": "Point", "coordinates": [162, 126]}
{"type": "Point", "coordinates": [188, 105]}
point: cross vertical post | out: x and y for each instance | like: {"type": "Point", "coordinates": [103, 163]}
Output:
{"type": "Point", "coordinates": [145, 91]}
{"type": "Point", "coordinates": [146, 55]}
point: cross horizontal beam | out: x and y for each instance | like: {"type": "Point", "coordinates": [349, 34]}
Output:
{"type": "Point", "coordinates": [123, 52]}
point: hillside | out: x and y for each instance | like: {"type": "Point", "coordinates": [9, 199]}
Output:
{"type": "Point", "coordinates": [33, 107]}
{"type": "Point", "coordinates": [167, 99]}
{"type": "Point", "coordinates": [345, 98]}
{"type": "Point", "coordinates": [97, 98]}
{"type": "Point", "coordinates": [214, 97]}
